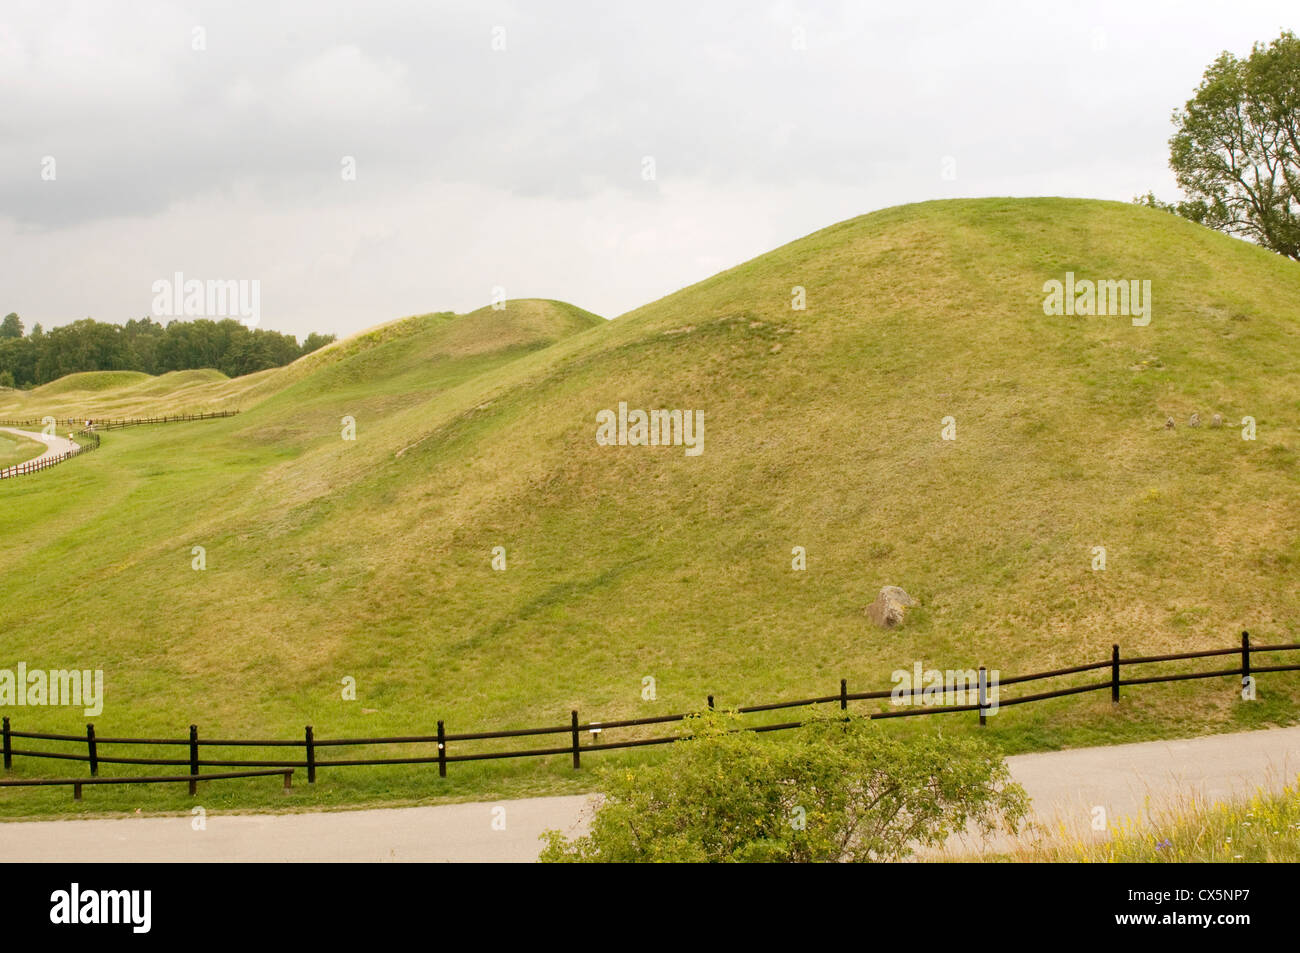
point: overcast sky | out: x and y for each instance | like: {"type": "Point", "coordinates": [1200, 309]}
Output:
{"type": "Point", "coordinates": [524, 167]}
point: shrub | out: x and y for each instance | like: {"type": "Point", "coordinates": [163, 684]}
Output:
{"type": "Point", "coordinates": [837, 789]}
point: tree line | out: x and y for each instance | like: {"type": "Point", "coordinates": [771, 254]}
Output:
{"type": "Point", "coordinates": [38, 357]}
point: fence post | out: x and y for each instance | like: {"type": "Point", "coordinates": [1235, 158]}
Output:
{"type": "Point", "coordinates": [1114, 674]}
{"type": "Point", "coordinates": [844, 694]}
{"type": "Point", "coordinates": [1245, 659]}
{"type": "Point", "coordinates": [194, 759]}
{"type": "Point", "coordinates": [442, 751]}
{"type": "Point", "coordinates": [76, 792]}
{"type": "Point", "coordinates": [93, 750]}
{"type": "Point", "coordinates": [311, 757]}
{"type": "Point", "coordinates": [576, 757]}
{"type": "Point", "coordinates": [983, 693]}
{"type": "Point", "coordinates": [710, 703]}
{"type": "Point", "coordinates": [9, 753]}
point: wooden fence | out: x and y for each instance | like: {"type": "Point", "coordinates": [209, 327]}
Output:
{"type": "Point", "coordinates": [114, 423]}
{"type": "Point", "coordinates": [1245, 668]}
{"type": "Point", "coordinates": [77, 783]}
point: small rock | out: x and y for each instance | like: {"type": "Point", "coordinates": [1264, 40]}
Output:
{"type": "Point", "coordinates": [1216, 420]}
{"type": "Point", "coordinates": [1169, 423]}
{"type": "Point", "coordinates": [1195, 421]}
{"type": "Point", "coordinates": [890, 607]}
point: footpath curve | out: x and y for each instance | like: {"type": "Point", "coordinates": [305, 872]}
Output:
{"type": "Point", "coordinates": [56, 445]}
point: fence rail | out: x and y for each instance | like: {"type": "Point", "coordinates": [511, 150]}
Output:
{"type": "Point", "coordinates": [574, 747]}
{"type": "Point", "coordinates": [114, 423]}
{"type": "Point", "coordinates": [193, 780]}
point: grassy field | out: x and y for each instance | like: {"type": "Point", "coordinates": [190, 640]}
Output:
{"type": "Point", "coordinates": [16, 449]}
{"type": "Point", "coordinates": [370, 559]}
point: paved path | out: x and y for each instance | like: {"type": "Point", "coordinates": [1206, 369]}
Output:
{"type": "Point", "coordinates": [1139, 780]}
{"type": "Point", "coordinates": [57, 445]}
{"type": "Point", "coordinates": [449, 832]}
{"type": "Point", "coordinates": [1064, 785]}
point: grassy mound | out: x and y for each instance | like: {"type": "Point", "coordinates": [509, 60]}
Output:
{"type": "Point", "coordinates": [88, 382]}
{"type": "Point", "coordinates": [394, 349]}
{"type": "Point", "coordinates": [370, 559]}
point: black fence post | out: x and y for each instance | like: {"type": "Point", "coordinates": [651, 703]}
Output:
{"type": "Point", "coordinates": [710, 703]}
{"type": "Point", "coordinates": [577, 762]}
{"type": "Point", "coordinates": [1114, 674]}
{"type": "Point", "coordinates": [311, 757]}
{"type": "Point", "coordinates": [442, 751]}
{"type": "Point", "coordinates": [194, 759]}
{"type": "Point", "coordinates": [844, 694]}
{"type": "Point", "coordinates": [9, 751]}
{"type": "Point", "coordinates": [93, 750]}
{"type": "Point", "coordinates": [1245, 659]}
{"type": "Point", "coordinates": [983, 694]}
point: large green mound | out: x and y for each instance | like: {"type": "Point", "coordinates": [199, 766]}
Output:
{"type": "Point", "coordinates": [371, 559]}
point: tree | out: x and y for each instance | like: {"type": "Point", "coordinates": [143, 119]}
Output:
{"type": "Point", "coordinates": [837, 789]}
{"type": "Point", "coordinates": [1236, 151]}
{"type": "Point", "coordinates": [11, 327]}
{"type": "Point", "coordinates": [314, 342]}
{"type": "Point", "coordinates": [144, 345]}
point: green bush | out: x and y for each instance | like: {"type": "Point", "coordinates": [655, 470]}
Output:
{"type": "Point", "coordinates": [834, 790]}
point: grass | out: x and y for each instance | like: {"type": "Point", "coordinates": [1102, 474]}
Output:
{"type": "Point", "coordinates": [15, 449]}
{"type": "Point", "coordinates": [1263, 829]}
{"type": "Point", "coordinates": [371, 559]}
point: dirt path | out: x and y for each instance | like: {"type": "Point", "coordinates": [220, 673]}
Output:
{"type": "Point", "coordinates": [1065, 786]}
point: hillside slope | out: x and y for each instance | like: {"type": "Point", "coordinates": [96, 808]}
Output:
{"type": "Point", "coordinates": [371, 559]}
{"type": "Point", "coordinates": [401, 349]}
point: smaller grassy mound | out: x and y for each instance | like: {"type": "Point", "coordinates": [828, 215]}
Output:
{"type": "Point", "coordinates": [15, 449]}
{"type": "Point", "coordinates": [89, 382]}
{"type": "Point", "coordinates": [409, 353]}
{"type": "Point", "coordinates": [174, 380]}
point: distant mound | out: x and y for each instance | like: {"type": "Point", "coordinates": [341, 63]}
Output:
{"type": "Point", "coordinates": [391, 350]}
{"type": "Point", "coordinates": [88, 382]}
